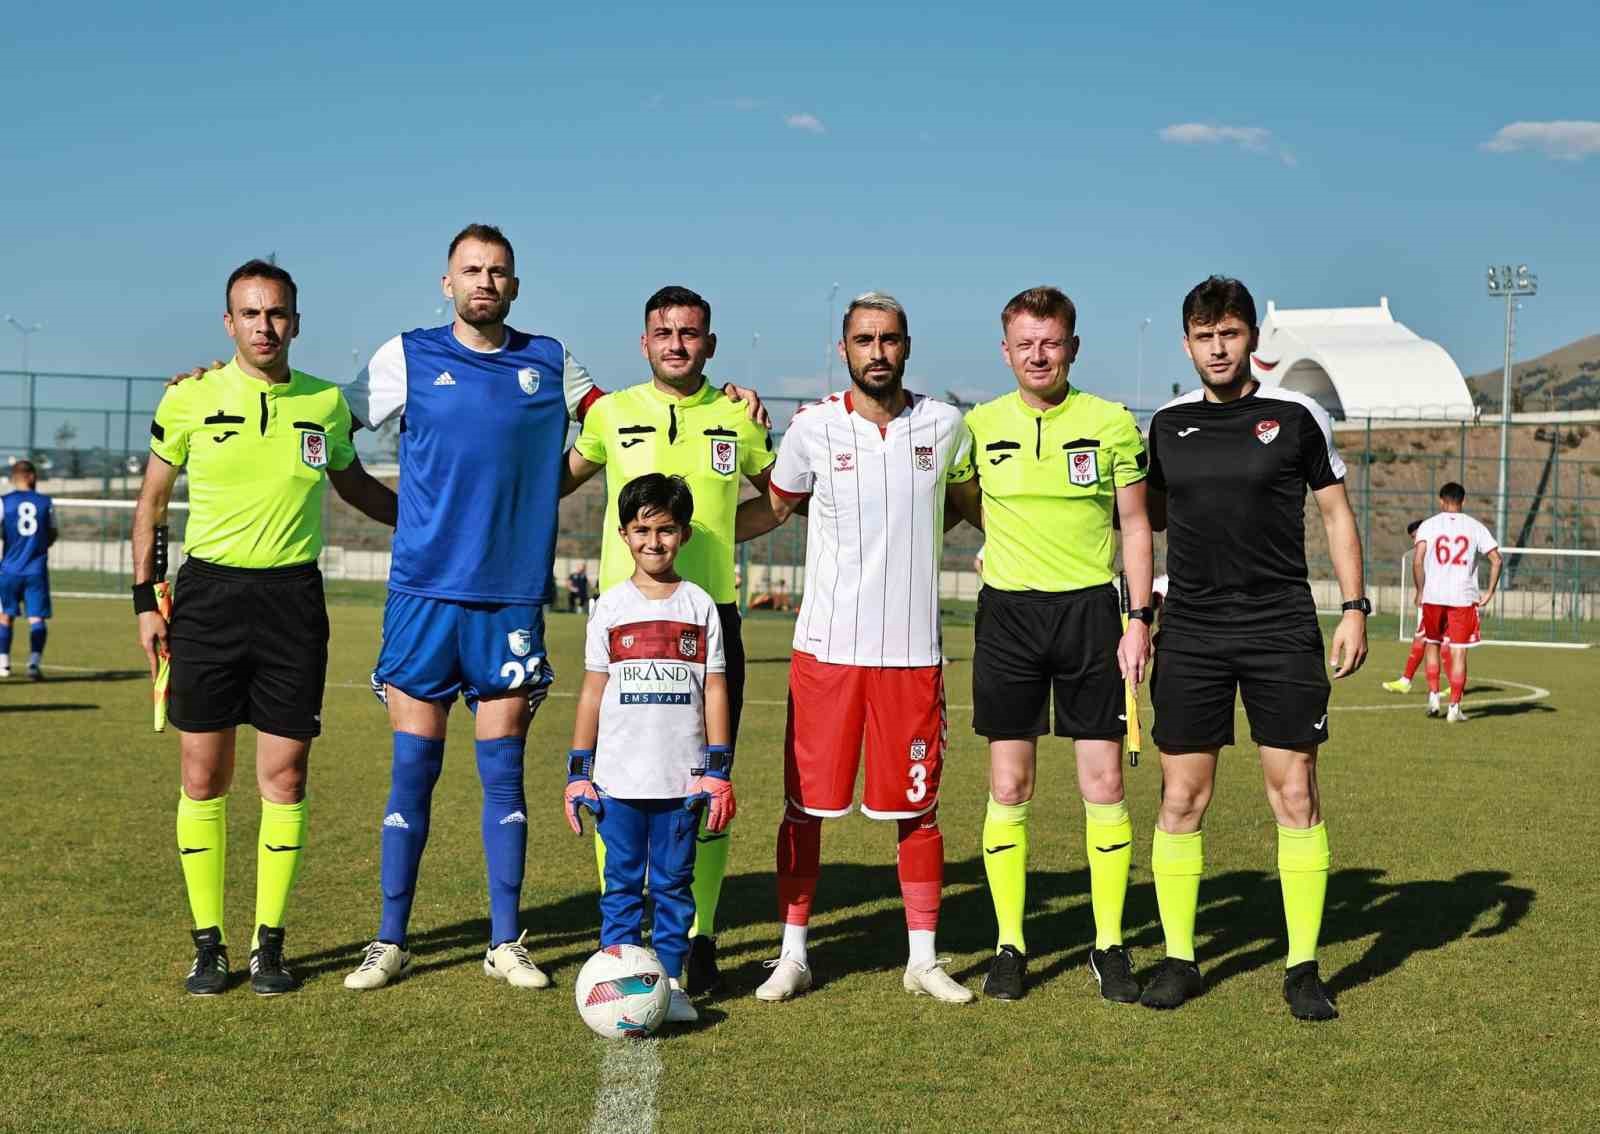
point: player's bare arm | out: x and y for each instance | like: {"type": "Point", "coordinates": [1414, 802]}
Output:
{"type": "Point", "coordinates": [1138, 563]}
{"type": "Point", "coordinates": [1419, 568]}
{"type": "Point", "coordinates": [1344, 546]}
{"type": "Point", "coordinates": [197, 372]}
{"type": "Point", "coordinates": [963, 501]}
{"type": "Point", "coordinates": [577, 471]}
{"type": "Point", "coordinates": [365, 492]}
{"type": "Point", "coordinates": [784, 506]}
{"type": "Point", "coordinates": [150, 513]}
{"type": "Point", "coordinates": [755, 517]}
{"type": "Point", "coordinates": [752, 403]}
{"type": "Point", "coordinates": [1494, 577]}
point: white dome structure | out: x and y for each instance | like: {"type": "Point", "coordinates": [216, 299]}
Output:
{"type": "Point", "coordinates": [1358, 362]}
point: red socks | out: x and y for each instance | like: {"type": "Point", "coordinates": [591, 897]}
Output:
{"type": "Point", "coordinates": [920, 861]}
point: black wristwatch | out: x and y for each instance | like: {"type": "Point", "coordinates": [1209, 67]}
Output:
{"type": "Point", "coordinates": [1145, 614]}
{"type": "Point", "coordinates": [1363, 604]}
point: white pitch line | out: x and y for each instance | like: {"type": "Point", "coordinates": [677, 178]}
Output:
{"type": "Point", "coordinates": [1534, 693]}
{"type": "Point", "coordinates": [625, 1102]}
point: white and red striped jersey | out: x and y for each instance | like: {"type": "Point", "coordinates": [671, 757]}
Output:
{"type": "Point", "coordinates": [652, 717]}
{"type": "Point", "coordinates": [875, 529]}
{"type": "Point", "coordinates": [1453, 540]}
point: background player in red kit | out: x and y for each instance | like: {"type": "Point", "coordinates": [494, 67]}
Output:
{"type": "Point", "coordinates": [1444, 567]}
{"type": "Point", "coordinates": [1419, 641]}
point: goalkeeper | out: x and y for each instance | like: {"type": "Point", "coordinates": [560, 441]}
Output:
{"type": "Point", "coordinates": [248, 637]}
{"type": "Point", "coordinates": [650, 745]}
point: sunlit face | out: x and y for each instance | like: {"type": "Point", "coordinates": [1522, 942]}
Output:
{"type": "Point", "coordinates": [1221, 351]}
{"type": "Point", "coordinates": [1040, 352]}
{"type": "Point", "coordinates": [875, 350]}
{"type": "Point", "coordinates": [261, 321]}
{"type": "Point", "coordinates": [653, 537]}
{"type": "Point", "coordinates": [481, 282]}
{"type": "Point", "coordinates": [677, 342]}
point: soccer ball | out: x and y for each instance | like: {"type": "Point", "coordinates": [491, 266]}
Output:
{"type": "Point", "coordinates": [623, 991]}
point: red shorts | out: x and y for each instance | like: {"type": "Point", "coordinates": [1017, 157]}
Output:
{"type": "Point", "coordinates": [832, 708]}
{"type": "Point", "coordinates": [1450, 625]}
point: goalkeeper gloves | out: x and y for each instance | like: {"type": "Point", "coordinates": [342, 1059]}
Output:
{"type": "Point", "coordinates": [580, 794]}
{"type": "Point", "coordinates": [713, 787]}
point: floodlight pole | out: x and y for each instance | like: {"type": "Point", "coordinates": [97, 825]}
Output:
{"type": "Point", "coordinates": [27, 331]}
{"type": "Point", "coordinates": [829, 352]}
{"type": "Point", "coordinates": [1139, 370]}
{"type": "Point", "coordinates": [1504, 281]}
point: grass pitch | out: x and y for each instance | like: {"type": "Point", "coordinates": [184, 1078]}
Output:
{"type": "Point", "coordinates": [1460, 910]}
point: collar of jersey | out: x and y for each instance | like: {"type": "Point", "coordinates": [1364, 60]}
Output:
{"type": "Point", "coordinates": [849, 404]}
{"type": "Point", "coordinates": [706, 393]}
{"type": "Point", "coordinates": [1050, 414]}
{"type": "Point", "coordinates": [233, 372]}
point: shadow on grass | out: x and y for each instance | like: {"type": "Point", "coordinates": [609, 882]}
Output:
{"type": "Point", "coordinates": [99, 677]}
{"type": "Point", "coordinates": [1239, 927]}
{"type": "Point", "coordinates": [49, 707]}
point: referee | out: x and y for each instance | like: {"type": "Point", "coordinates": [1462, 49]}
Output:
{"type": "Point", "coordinates": [681, 425]}
{"type": "Point", "coordinates": [248, 638]}
{"type": "Point", "coordinates": [1054, 465]}
{"type": "Point", "coordinates": [1235, 459]}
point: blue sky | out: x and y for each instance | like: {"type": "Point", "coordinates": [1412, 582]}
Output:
{"type": "Point", "coordinates": [949, 154]}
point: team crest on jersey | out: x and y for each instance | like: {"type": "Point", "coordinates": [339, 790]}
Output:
{"type": "Point", "coordinates": [314, 449]}
{"type": "Point", "coordinates": [1083, 469]}
{"type": "Point", "coordinates": [919, 749]}
{"type": "Point", "coordinates": [528, 379]}
{"type": "Point", "coordinates": [844, 462]}
{"type": "Point", "coordinates": [1266, 431]}
{"type": "Point", "coordinates": [924, 455]}
{"type": "Point", "coordinates": [627, 641]}
{"type": "Point", "coordinates": [724, 456]}
{"type": "Point", "coordinates": [521, 642]}
{"type": "Point", "coordinates": [689, 643]}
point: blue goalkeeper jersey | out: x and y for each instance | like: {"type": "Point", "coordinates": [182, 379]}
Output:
{"type": "Point", "coordinates": [482, 439]}
{"type": "Point", "coordinates": [28, 520]}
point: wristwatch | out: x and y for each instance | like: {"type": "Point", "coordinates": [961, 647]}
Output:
{"type": "Point", "coordinates": [1363, 604]}
{"type": "Point", "coordinates": [1144, 614]}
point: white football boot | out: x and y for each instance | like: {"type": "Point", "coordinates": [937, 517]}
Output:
{"type": "Point", "coordinates": [1456, 716]}
{"type": "Point", "coordinates": [928, 978]}
{"type": "Point", "coordinates": [383, 963]}
{"type": "Point", "coordinates": [789, 979]}
{"type": "Point", "coordinates": [1433, 704]}
{"type": "Point", "coordinates": [679, 1009]}
{"type": "Point", "coordinates": [510, 962]}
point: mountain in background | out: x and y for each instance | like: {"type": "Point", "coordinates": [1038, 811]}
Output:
{"type": "Point", "coordinates": [1567, 378]}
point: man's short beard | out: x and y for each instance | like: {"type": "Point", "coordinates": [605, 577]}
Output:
{"type": "Point", "coordinates": [886, 386]}
{"type": "Point", "coordinates": [494, 315]}
{"type": "Point", "coordinates": [687, 382]}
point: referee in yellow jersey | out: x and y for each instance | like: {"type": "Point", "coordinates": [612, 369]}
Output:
{"type": "Point", "coordinates": [680, 425]}
{"type": "Point", "coordinates": [248, 638]}
{"type": "Point", "coordinates": [1054, 465]}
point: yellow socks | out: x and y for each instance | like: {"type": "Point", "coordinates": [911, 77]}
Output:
{"type": "Point", "coordinates": [283, 837]}
{"type": "Point", "coordinates": [1110, 850]}
{"type": "Point", "coordinates": [1303, 872]}
{"type": "Point", "coordinates": [203, 853]}
{"type": "Point", "coordinates": [1005, 862]}
{"type": "Point", "coordinates": [710, 864]}
{"type": "Point", "coordinates": [1177, 861]}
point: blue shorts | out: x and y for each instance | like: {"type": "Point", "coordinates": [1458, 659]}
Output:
{"type": "Point", "coordinates": [434, 649]}
{"type": "Point", "coordinates": [33, 590]}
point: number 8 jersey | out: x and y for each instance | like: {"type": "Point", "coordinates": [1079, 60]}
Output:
{"type": "Point", "coordinates": [1452, 542]}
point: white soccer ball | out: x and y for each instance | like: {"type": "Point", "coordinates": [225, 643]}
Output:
{"type": "Point", "coordinates": [623, 991]}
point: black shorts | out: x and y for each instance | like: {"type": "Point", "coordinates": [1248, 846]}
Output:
{"type": "Point", "coordinates": [1028, 644]}
{"type": "Point", "coordinates": [1285, 696]}
{"type": "Point", "coordinates": [248, 647]}
{"type": "Point", "coordinates": [733, 658]}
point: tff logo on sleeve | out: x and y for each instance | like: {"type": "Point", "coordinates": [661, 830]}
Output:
{"type": "Point", "coordinates": [314, 449]}
{"type": "Point", "coordinates": [724, 456]}
{"type": "Point", "coordinates": [1083, 468]}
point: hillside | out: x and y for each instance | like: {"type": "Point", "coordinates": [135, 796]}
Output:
{"type": "Point", "coordinates": [1565, 378]}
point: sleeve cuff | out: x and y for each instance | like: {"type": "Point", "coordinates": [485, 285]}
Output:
{"type": "Point", "coordinates": [786, 493]}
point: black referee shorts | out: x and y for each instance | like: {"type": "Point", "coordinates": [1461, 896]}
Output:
{"type": "Point", "coordinates": [248, 647]}
{"type": "Point", "coordinates": [1285, 695]}
{"type": "Point", "coordinates": [733, 657]}
{"type": "Point", "coordinates": [1028, 644]}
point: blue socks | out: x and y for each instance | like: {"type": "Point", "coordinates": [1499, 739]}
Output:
{"type": "Point", "coordinates": [5, 640]}
{"type": "Point", "coordinates": [36, 636]}
{"type": "Point", "coordinates": [505, 832]}
{"type": "Point", "coordinates": [417, 763]}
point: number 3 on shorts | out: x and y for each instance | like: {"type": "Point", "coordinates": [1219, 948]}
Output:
{"type": "Point", "coordinates": [919, 783]}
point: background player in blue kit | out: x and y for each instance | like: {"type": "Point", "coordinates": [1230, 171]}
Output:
{"type": "Point", "coordinates": [484, 410]}
{"type": "Point", "coordinates": [28, 529]}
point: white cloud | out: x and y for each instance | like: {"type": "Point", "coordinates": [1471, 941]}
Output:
{"type": "Point", "coordinates": [810, 123]}
{"type": "Point", "coordinates": [1566, 141]}
{"type": "Point", "coordinates": [1203, 134]}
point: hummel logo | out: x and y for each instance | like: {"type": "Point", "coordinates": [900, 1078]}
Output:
{"type": "Point", "coordinates": [396, 820]}
{"type": "Point", "coordinates": [1001, 457]}
{"type": "Point", "coordinates": [514, 817]}
{"type": "Point", "coordinates": [192, 850]}
{"type": "Point", "coordinates": [270, 847]}
{"type": "Point", "coordinates": [998, 849]}
{"type": "Point", "coordinates": [1112, 847]}
{"type": "Point", "coordinates": [444, 379]}
{"type": "Point", "coordinates": [1321, 722]}
{"type": "Point", "coordinates": [1186, 432]}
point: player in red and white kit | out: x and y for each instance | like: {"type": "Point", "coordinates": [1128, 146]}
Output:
{"type": "Point", "coordinates": [868, 661]}
{"type": "Point", "coordinates": [1444, 568]}
{"type": "Point", "coordinates": [1419, 642]}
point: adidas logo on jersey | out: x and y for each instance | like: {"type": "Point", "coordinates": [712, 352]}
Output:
{"type": "Point", "coordinates": [444, 379]}
{"type": "Point", "coordinates": [514, 817]}
{"type": "Point", "coordinates": [396, 820]}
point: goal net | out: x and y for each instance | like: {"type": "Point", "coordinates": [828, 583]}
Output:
{"type": "Point", "coordinates": [1547, 597]}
